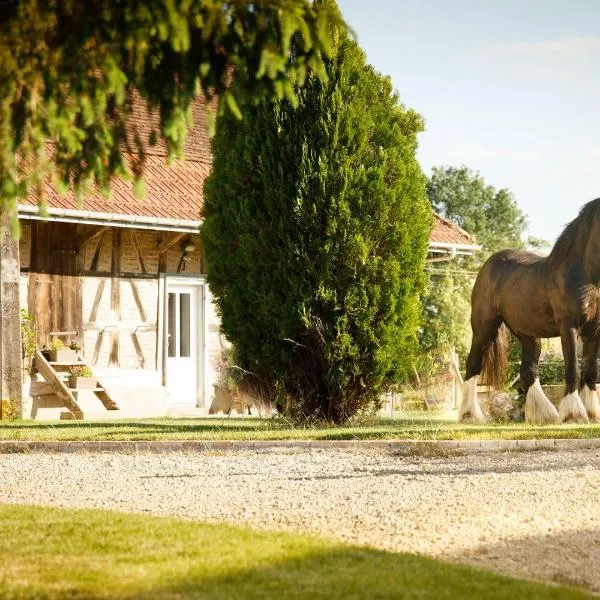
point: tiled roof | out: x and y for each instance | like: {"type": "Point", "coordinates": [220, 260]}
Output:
{"type": "Point", "coordinates": [171, 192]}
{"type": "Point", "coordinates": [446, 232]}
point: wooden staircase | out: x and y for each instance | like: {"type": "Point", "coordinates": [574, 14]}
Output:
{"type": "Point", "coordinates": [56, 374]}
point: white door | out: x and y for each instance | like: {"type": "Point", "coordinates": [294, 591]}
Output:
{"type": "Point", "coordinates": [183, 342]}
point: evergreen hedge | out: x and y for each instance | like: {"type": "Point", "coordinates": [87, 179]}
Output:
{"type": "Point", "coordinates": [315, 231]}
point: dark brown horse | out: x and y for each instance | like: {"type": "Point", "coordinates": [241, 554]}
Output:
{"type": "Point", "coordinates": [535, 298]}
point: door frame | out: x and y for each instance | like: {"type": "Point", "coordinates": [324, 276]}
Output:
{"type": "Point", "coordinates": [198, 282]}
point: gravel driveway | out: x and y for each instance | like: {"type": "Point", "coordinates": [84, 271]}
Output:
{"type": "Point", "coordinates": [535, 514]}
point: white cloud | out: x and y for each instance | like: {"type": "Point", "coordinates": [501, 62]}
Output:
{"type": "Point", "coordinates": [559, 61]}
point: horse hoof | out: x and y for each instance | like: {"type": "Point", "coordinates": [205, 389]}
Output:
{"type": "Point", "coordinates": [591, 402]}
{"type": "Point", "coordinates": [538, 409]}
{"type": "Point", "coordinates": [571, 409]}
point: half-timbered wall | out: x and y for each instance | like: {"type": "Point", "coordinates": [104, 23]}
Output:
{"type": "Point", "coordinates": [100, 286]}
{"type": "Point", "coordinates": [120, 293]}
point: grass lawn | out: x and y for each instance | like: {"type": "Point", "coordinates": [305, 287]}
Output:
{"type": "Point", "coordinates": [56, 553]}
{"type": "Point", "coordinates": [413, 426]}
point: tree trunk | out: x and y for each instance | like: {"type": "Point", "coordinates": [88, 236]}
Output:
{"type": "Point", "coordinates": [10, 324]}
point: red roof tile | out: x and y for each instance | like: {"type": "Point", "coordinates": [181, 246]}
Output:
{"type": "Point", "coordinates": [446, 232]}
{"type": "Point", "coordinates": [171, 192]}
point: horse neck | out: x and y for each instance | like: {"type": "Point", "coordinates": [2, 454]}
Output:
{"type": "Point", "coordinates": [584, 256]}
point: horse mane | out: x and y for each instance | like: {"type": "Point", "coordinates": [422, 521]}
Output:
{"type": "Point", "coordinates": [573, 241]}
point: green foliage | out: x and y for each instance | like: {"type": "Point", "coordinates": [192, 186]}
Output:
{"type": "Point", "coordinates": [446, 309]}
{"type": "Point", "coordinates": [69, 70]}
{"type": "Point", "coordinates": [491, 215]}
{"type": "Point", "coordinates": [315, 232]}
{"type": "Point", "coordinates": [28, 346]}
{"type": "Point", "coordinates": [81, 371]}
{"type": "Point", "coordinates": [75, 346]}
{"type": "Point", "coordinates": [57, 344]}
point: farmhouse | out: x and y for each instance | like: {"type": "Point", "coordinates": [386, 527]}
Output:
{"type": "Point", "coordinates": [124, 279]}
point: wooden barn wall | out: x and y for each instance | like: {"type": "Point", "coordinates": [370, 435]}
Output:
{"type": "Point", "coordinates": [102, 284]}
{"type": "Point", "coordinates": [53, 286]}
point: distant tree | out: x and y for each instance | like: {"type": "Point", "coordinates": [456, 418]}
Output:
{"type": "Point", "coordinates": [68, 70]}
{"type": "Point", "coordinates": [446, 310]}
{"type": "Point", "coordinates": [315, 230]}
{"type": "Point", "coordinates": [491, 215]}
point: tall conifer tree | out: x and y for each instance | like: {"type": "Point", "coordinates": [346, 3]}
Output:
{"type": "Point", "coordinates": [315, 233]}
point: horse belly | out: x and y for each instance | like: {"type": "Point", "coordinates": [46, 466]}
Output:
{"type": "Point", "coordinates": [527, 311]}
{"type": "Point", "coordinates": [532, 328]}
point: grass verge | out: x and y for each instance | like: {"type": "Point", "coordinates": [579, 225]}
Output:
{"type": "Point", "coordinates": [413, 426]}
{"type": "Point", "coordinates": [50, 554]}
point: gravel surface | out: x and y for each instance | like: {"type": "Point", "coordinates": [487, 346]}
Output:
{"type": "Point", "coordinates": [533, 514]}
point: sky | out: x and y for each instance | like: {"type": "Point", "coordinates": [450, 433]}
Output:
{"type": "Point", "coordinates": [510, 88]}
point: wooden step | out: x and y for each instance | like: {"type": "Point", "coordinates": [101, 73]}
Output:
{"type": "Point", "coordinates": [61, 390]}
{"type": "Point", "coordinates": [66, 364]}
{"type": "Point", "coordinates": [56, 375]}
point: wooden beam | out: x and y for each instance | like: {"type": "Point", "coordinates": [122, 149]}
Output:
{"type": "Point", "coordinates": [115, 297]}
{"type": "Point", "coordinates": [90, 235]}
{"type": "Point", "coordinates": [106, 399]}
{"type": "Point", "coordinates": [124, 274]}
{"type": "Point", "coordinates": [98, 252]}
{"type": "Point", "coordinates": [169, 242]}
{"type": "Point", "coordinates": [97, 347]}
{"type": "Point", "coordinates": [97, 298]}
{"type": "Point", "coordinates": [138, 349]}
{"type": "Point", "coordinates": [78, 300]}
{"type": "Point", "coordinates": [138, 301]}
{"type": "Point", "coordinates": [136, 244]}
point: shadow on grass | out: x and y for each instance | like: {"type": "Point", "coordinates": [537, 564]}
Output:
{"type": "Point", "coordinates": [53, 554]}
{"type": "Point", "coordinates": [359, 574]}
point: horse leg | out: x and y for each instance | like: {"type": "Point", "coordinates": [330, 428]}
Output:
{"type": "Point", "coordinates": [589, 375]}
{"type": "Point", "coordinates": [470, 410]}
{"type": "Point", "coordinates": [538, 409]}
{"type": "Point", "coordinates": [482, 337]}
{"type": "Point", "coordinates": [571, 407]}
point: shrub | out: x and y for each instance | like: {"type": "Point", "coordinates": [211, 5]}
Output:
{"type": "Point", "coordinates": [315, 231]}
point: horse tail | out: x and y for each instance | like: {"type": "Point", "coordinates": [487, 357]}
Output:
{"type": "Point", "coordinates": [495, 359]}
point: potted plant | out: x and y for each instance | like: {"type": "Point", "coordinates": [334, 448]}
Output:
{"type": "Point", "coordinates": [81, 378]}
{"type": "Point", "coordinates": [59, 352]}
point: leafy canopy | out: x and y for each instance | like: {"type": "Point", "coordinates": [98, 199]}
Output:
{"type": "Point", "coordinates": [492, 216]}
{"type": "Point", "coordinates": [315, 232]}
{"type": "Point", "coordinates": [69, 70]}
